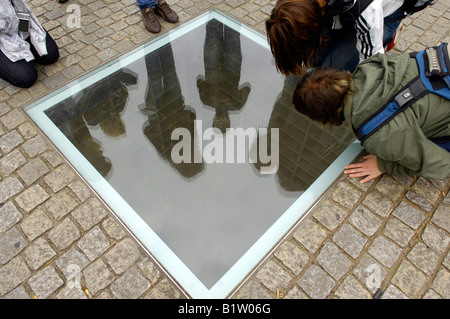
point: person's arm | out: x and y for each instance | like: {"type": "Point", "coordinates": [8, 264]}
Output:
{"type": "Point", "coordinates": [369, 31]}
{"type": "Point", "coordinates": [407, 151]}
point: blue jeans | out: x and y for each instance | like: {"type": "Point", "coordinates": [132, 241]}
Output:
{"type": "Point", "coordinates": [391, 24]}
{"type": "Point", "coordinates": [144, 4]}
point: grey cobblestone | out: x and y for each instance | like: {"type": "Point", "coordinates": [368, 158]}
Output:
{"type": "Point", "coordinates": [57, 240]}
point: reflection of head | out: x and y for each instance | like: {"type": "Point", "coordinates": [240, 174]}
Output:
{"type": "Point", "coordinates": [113, 126]}
{"type": "Point", "coordinates": [321, 94]}
{"type": "Point", "coordinates": [295, 30]}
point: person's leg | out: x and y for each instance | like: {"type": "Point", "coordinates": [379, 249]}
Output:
{"type": "Point", "coordinates": [144, 4]}
{"type": "Point", "coordinates": [149, 18]}
{"type": "Point", "coordinates": [391, 24]}
{"type": "Point", "coordinates": [341, 51]}
{"type": "Point", "coordinates": [163, 9]}
{"type": "Point", "coordinates": [52, 51]}
{"type": "Point", "coordinates": [21, 73]}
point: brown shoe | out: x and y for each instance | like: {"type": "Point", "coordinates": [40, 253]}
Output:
{"type": "Point", "coordinates": [164, 11]}
{"type": "Point", "coordinates": [151, 22]}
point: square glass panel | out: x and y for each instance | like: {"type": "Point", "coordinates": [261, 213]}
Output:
{"type": "Point", "coordinates": [193, 142]}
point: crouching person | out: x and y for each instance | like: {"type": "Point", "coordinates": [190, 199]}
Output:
{"type": "Point", "coordinates": [407, 143]}
{"type": "Point", "coordinates": [23, 41]}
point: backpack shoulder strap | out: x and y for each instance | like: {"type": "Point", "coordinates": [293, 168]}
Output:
{"type": "Point", "coordinates": [434, 66]}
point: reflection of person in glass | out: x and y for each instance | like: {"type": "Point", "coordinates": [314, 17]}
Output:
{"type": "Point", "coordinates": [164, 106]}
{"type": "Point", "coordinates": [99, 104]}
{"type": "Point", "coordinates": [305, 149]}
{"type": "Point", "coordinates": [219, 88]}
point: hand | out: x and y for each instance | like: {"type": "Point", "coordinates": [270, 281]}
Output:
{"type": "Point", "coordinates": [368, 168]}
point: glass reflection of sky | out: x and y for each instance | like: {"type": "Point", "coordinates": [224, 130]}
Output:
{"type": "Point", "coordinates": [207, 224]}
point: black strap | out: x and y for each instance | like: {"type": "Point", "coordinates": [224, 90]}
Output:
{"type": "Point", "coordinates": [409, 94]}
{"type": "Point", "coordinates": [349, 17]}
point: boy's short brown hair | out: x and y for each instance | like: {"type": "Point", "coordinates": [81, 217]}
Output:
{"type": "Point", "coordinates": [295, 31]}
{"type": "Point", "coordinates": [321, 95]}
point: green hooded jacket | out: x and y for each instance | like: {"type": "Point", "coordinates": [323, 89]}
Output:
{"type": "Point", "coordinates": [402, 146]}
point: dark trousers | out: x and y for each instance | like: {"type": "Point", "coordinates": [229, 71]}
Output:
{"type": "Point", "coordinates": [22, 73]}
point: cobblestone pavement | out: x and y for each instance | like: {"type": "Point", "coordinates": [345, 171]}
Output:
{"type": "Point", "coordinates": [392, 233]}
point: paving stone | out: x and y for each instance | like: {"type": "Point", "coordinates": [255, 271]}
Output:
{"type": "Point", "coordinates": [18, 293]}
{"type": "Point", "coordinates": [164, 290]}
{"type": "Point", "coordinates": [9, 216]}
{"type": "Point", "coordinates": [80, 189]}
{"type": "Point", "coordinates": [419, 200]}
{"type": "Point", "coordinates": [365, 221]}
{"type": "Point", "coordinates": [122, 256]}
{"type": "Point", "coordinates": [71, 263]}
{"type": "Point", "coordinates": [333, 260]}
{"type": "Point", "coordinates": [113, 229]}
{"type": "Point", "coordinates": [431, 294]}
{"type": "Point", "coordinates": [97, 276]}
{"type": "Point", "coordinates": [11, 243]}
{"type": "Point", "coordinates": [370, 272]}
{"type": "Point", "coordinates": [329, 215]}
{"type": "Point", "coordinates": [9, 187]}
{"type": "Point", "coordinates": [59, 177]}
{"type": "Point", "coordinates": [35, 224]}
{"type": "Point", "coordinates": [426, 189]}
{"type": "Point", "coordinates": [393, 292]}
{"type": "Point", "coordinates": [378, 203]}
{"type": "Point", "coordinates": [64, 234]}
{"type": "Point", "coordinates": [409, 215]}
{"type": "Point", "coordinates": [11, 162]}
{"type": "Point", "coordinates": [94, 243]}
{"type": "Point", "coordinates": [346, 195]}
{"type": "Point", "coordinates": [36, 145]}
{"type": "Point", "coordinates": [441, 283]}
{"type": "Point", "coordinates": [38, 253]}
{"type": "Point", "coordinates": [292, 257]}
{"type": "Point", "coordinates": [410, 280]}
{"type": "Point", "coordinates": [310, 234]}
{"type": "Point", "coordinates": [60, 204]}
{"type": "Point", "coordinates": [441, 217]}
{"type": "Point", "coordinates": [149, 269]}
{"type": "Point", "coordinates": [130, 285]}
{"type": "Point", "coordinates": [389, 187]}
{"type": "Point", "coordinates": [398, 232]}
{"type": "Point", "coordinates": [350, 240]}
{"type": "Point", "coordinates": [10, 141]}
{"type": "Point", "coordinates": [316, 283]}
{"type": "Point", "coordinates": [32, 171]}
{"type": "Point", "coordinates": [71, 293]}
{"type": "Point", "coordinates": [351, 289]}
{"type": "Point", "coordinates": [435, 238]}
{"type": "Point", "coordinates": [13, 274]}
{"type": "Point", "coordinates": [31, 197]}
{"type": "Point", "coordinates": [273, 276]}
{"type": "Point", "coordinates": [252, 290]}
{"type": "Point", "coordinates": [89, 213]}
{"type": "Point", "coordinates": [446, 261]}
{"type": "Point", "coordinates": [384, 251]}
{"type": "Point", "coordinates": [423, 258]}
{"type": "Point", "coordinates": [295, 293]}
{"type": "Point", "coordinates": [45, 282]}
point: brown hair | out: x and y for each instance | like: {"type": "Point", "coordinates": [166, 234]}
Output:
{"type": "Point", "coordinates": [295, 31]}
{"type": "Point", "coordinates": [321, 95]}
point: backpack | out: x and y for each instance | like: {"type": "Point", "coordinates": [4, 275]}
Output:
{"type": "Point", "coordinates": [434, 77]}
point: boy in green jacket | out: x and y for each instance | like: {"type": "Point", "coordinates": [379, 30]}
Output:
{"type": "Point", "coordinates": [403, 145]}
